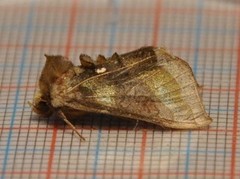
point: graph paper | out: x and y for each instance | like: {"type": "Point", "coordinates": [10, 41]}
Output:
{"type": "Point", "coordinates": [206, 33]}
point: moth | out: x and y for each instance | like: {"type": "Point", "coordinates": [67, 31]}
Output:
{"type": "Point", "coordinates": [146, 84]}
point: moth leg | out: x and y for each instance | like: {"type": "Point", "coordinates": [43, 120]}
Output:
{"type": "Point", "coordinates": [136, 124]}
{"type": "Point", "coordinates": [62, 115]}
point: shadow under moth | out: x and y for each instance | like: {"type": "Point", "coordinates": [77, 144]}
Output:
{"type": "Point", "coordinates": [147, 84]}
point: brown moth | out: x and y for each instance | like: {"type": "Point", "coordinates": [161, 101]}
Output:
{"type": "Point", "coordinates": [147, 84]}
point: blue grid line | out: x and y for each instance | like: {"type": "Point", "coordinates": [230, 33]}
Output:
{"type": "Point", "coordinates": [113, 26]}
{"type": "Point", "coordinates": [96, 151]}
{"type": "Point", "coordinates": [195, 70]}
{"type": "Point", "coordinates": [187, 151]}
{"type": "Point", "coordinates": [113, 29]}
{"type": "Point", "coordinates": [28, 31]}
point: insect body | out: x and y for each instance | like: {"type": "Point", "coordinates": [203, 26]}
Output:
{"type": "Point", "coordinates": [147, 84]}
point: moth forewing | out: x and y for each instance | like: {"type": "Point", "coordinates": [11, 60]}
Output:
{"type": "Point", "coordinates": [147, 84]}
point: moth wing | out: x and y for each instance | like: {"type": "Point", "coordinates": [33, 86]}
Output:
{"type": "Point", "coordinates": [165, 93]}
{"type": "Point", "coordinates": [159, 89]}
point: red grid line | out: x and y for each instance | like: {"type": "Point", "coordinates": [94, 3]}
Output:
{"type": "Point", "coordinates": [142, 155]}
{"type": "Point", "coordinates": [121, 173]}
{"type": "Point", "coordinates": [51, 154]}
{"type": "Point", "coordinates": [156, 23]}
{"type": "Point", "coordinates": [88, 127]}
{"type": "Point", "coordinates": [17, 87]}
{"type": "Point", "coordinates": [72, 21]}
{"type": "Point", "coordinates": [181, 10]}
{"type": "Point", "coordinates": [235, 117]}
{"type": "Point", "coordinates": [83, 46]}
{"type": "Point", "coordinates": [157, 14]}
{"type": "Point", "coordinates": [234, 130]}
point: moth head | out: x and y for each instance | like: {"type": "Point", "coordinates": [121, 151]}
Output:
{"type": "Point", "coordinates": [54, 68]}
{"type": "Point", "coordinates": [41, 106]}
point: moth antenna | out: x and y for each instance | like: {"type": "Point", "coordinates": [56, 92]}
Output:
{"type": "Point", "coordinates": [62, 115]}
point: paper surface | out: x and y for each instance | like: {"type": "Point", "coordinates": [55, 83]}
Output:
{"type": "Point", "coordinates": [206, 33]}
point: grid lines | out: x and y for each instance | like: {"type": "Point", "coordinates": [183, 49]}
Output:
{"type": "Point", "coordinates": [206, 33]}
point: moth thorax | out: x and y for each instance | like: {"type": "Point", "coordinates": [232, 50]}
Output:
{"type": "Point", "coordinates": [40, 105]}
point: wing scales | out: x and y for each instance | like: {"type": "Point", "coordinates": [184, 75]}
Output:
{"type": "Point", "coordinates": [164, 93]}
